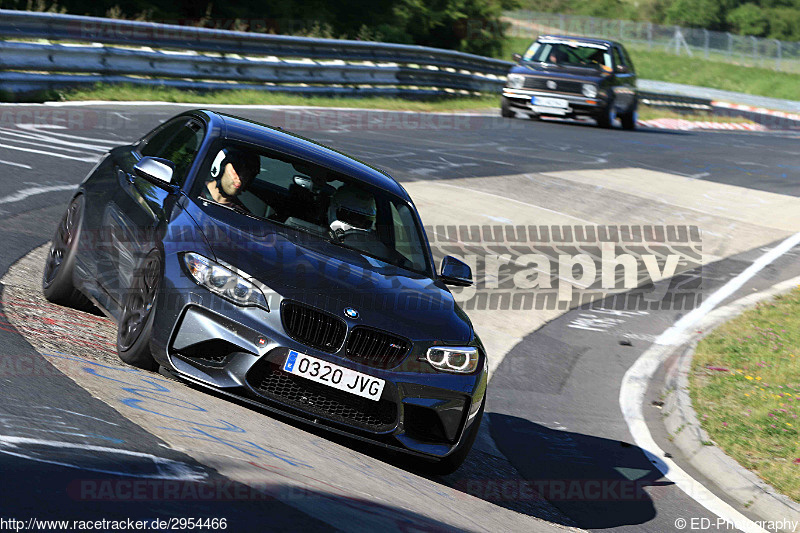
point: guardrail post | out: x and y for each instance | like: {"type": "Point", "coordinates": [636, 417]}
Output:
{"type": "Point", "coordinates": [777, 54]}
{"type": "Point", "coordinates": [705, 42]}
{"type": "Point", "coordinates": [649, 35]}
{"type": "Point", "coordinates": [561, 24]}
{"type": "Point", "coordinates": [730, 43]}
{"type": "Point", "coordinates": [755, 49]}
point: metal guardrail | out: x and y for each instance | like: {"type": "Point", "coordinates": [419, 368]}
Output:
{"type": "Point", "coordinates": [90, 50]}
{"type": "Point", "coordinates": [674, 101]}
{"type": "Point", "coordinates": [46, 51]}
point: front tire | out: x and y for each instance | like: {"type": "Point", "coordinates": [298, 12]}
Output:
{"type": "Point", "coordinates": [136, 324]}
{"type": "Point", "coordinates": [607, 116]}
{"type": "Point", "coordinates": [505, 108]}
{"type": "Point", "coordinates": [57, 280]}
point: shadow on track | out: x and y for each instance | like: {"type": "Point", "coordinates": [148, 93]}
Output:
{"type": "Point", "coordinates": [595, 482]}
{"type": "Point", "coordinates": [46, 491]}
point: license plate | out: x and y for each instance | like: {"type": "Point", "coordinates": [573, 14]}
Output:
{"type": "Point", "coordinates": [550, 110]}
{"type": "Point", "coordinates": [335, 376]}
{"type": "Point", "coordinates": [545, 101]}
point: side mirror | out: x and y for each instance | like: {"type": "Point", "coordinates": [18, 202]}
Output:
{"type": "Point", "coordinates": [622, 69]}
{"type": "Point", "coordinates": [516, 57]}
{"type": "Point", "coordinates": [157, 171]}
{"type": "Point", "coordinates": [455, 272]}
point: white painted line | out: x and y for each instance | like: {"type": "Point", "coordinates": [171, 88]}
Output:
{"type": "Point", "coordinates": [62, 156]}
{"type": "Point", "coordinates": [48, 138]}
{"type": "Point", "coordinates": [631, 398]}
{"type": "Point", "coordinates": [675, 334]}
{"type": "Point", "coordinates": [55, 135]}
{"type": "Point", "coordinates": [16, 164]}
{"type": "Point", "coordinates": [21, 195]}
{"type": "Point", "coordinates": [634, 387]}
{"type": "Point", "coordinates": [41, 127]}
{"type": "Point", "coordinates": [43, 143]}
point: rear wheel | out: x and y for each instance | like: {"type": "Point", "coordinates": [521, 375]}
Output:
{"type": "Point", "coordinates": [57, 282]}
{"type": "Point", "coordinates": [629, 119]}
{"type": "Point", "coordinates": [136, 325]}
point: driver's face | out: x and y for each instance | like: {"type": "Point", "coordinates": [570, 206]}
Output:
{"type": "Point", "coordinates": [231, 182]}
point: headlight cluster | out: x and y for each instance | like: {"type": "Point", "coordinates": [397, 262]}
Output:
{"type": "Point", "coordinates": [516, 81]}
{"type": "Point", "coordinates": [450, 359]}
{"type": "Point", "coordinates": [223, 281]}
{"type": "Point", "coordinates": [589, 90]}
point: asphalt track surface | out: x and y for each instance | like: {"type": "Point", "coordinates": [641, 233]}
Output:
{"type": "Point", "coordinates": [553, 412]}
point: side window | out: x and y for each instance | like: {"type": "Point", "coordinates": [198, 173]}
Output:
{"type": "Point", "coordinates": [406, 242]}
{"type": "Point", "coordinates": [177, 141]}
{"type": "Point", "coordinates": [627, 58]}
{"type": "Point", "coordinates": [618, 59]}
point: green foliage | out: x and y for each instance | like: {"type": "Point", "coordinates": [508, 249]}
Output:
{"type": "Point", "coordinates": [777, 19]}
{"type": "Point", "coordinates": [467, 25]}
{"type": "Point", "coordinates": [784, 23]}
{"type": "Point", "coordinates": [472, 26]}
{"type": "Point", "coordinates": [748, 19]}
{"type": "Point", "coordinates": [696, 13]}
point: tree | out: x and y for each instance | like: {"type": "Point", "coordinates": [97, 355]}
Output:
{"type": "Point", "coordinates": [748, 19]}
{"type": "Point", "coordinates": [696, 13]}
{"type": "Point", "coordinates": [784, 23]}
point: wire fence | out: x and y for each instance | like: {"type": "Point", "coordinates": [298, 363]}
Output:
{"type": "Point", "coordinates": [694, 42]}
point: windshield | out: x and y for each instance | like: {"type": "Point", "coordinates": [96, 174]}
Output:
{"type": "Point", "coordinates": [570, 53]}
{"type": "Point", "coordinates": [314, 200]}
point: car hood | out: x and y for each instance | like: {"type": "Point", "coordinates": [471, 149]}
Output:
{"type": "Point", "coordinates": [308, 269]}
{"type": "Point", "coordinates": [586, 75]}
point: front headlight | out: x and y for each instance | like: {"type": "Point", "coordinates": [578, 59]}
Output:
{"type": "Point", "coordinates": [453, 359]}
{"type": "Point", "coordinates": [223, 281]}
{"type": "Point", "coordinates": [589, 90]}
{"type": "Point", "coordinates": [516, 81]}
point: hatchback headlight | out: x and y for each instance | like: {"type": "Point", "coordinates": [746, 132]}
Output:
{"type": "Point", "coordinates": [589, 90]}
{"type": "Point", "coordinates": [223, 281]}
{"type": "Point", "coordinates": [516, 81]}
{"type": "Point", "coordinates": [453, 359]}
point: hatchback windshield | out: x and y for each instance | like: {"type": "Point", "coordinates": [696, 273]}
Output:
{"type": "Point", "coordinates": [570, 53]}
{"type": "Point", "coordinates": [315, 200]}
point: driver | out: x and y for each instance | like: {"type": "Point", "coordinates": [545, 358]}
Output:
{"type": "Point", "coordinates": [232, 172]}
{"type": "Point", "coordinates": [557, 56]}
{"type": "Point", "coordinates": [352, 209]}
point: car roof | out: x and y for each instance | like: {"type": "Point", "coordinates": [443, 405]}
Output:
{"type": "Point", "coordinates": [245, 130]}
{"type": "Point", "coordinates": [580, 39]}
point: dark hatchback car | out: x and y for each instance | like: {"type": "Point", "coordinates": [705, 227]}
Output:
{"type": "Point", "coordinates": [571, 77]}
{"type": "Point", "coordinates": [266, 266]}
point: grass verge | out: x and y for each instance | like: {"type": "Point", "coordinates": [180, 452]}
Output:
{"type": "Point", "coordinates": [663, 66]}
{"type": "Point", "coordinates": [252, 97]}
{"type": "Point", "coordinates": [249, 97]}
{"type": "Point", "coordinates": [745, 387]}
{"type": "Point", "coordinates": [651, 113]}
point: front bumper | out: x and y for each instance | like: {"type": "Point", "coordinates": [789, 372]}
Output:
{"type": "Point", "coordinates": [240, 351]}
{"type": "Point", "coordinates": [520, 100]}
